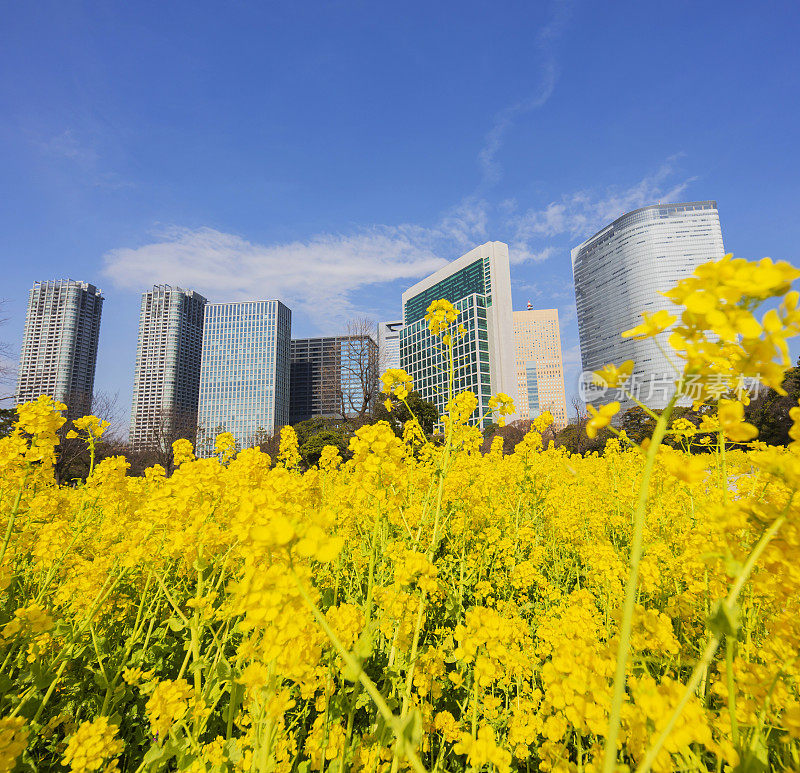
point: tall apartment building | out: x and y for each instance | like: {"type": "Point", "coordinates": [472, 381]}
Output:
{"type": "Point", "coordinates": [620, 272]}
{"type": "Point", "coordinates": [244, 372]}
{"type": "Point", "coordinates": [540, 369]}
{"type": "Point", "coordinates": [333, 377]}
{"type": "Point", "coordinates": [478, 284]}
{"type": "Point", "coordinates": [167, 376]}
{"type": "Point", "coordinates": [389, 345]}
{"type": "Point", "coordinates": [59, 345]}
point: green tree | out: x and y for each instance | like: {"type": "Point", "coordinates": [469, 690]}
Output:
{"type": "Point", "coordinates": [573, 437]}
{"type": "Point", "coordinates": [311, 450]}
{"type": "Point", "coordinates": [426, 412]}
{"type": "Point", "coordinates": [769, 411]}
{"type": "Point", "coordinates": [7, 418]}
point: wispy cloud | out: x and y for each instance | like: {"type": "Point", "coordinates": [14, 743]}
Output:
{"type": "Point", "coordinates": [582, 213]}
{"type": "Point", "coordinates": [318, 276]}
{"type": "Point", "coordinates": [323, 275]}
{"type": "Point", "coordinates": [82, 159]}
{"type": "Point", "coordinates": [544, 42]}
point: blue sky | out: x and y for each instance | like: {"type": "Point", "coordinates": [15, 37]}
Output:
{"type": "Point", "coordinates": [332, 153]}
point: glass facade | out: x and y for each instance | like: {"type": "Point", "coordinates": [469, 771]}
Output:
{"type": "Point", "coordinates": [332, 377]}
{"type": "Point", "coordinates": [167, 378]}
{"type": "Point", "coordinates": [532, 389]}
{"type": "Point", "coordinates": [244, 372]}
{"type": "Point", "coordinates": [478, 284]}
{"type": "Point", "coordinates": [424, 358]}
{"type": "Point", "coordinates": [621, 271]}
{"type": "Point", "coordinates": [59, 345]}
{"type": "Point", "coordinates": [473, 279]}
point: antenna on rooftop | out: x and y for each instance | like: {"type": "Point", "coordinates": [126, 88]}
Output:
{"type": "Point", "coordinates": [530, 306]}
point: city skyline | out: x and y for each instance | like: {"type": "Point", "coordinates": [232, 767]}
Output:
{"type": "Point", "coordinates": [130, 160]}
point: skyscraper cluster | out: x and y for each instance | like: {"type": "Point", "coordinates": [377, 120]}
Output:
{"type": "Point", "coordinates": [204, 368]}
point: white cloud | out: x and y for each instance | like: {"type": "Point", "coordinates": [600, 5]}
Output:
{"type": "Point", "coordinates": [582, 213]}
{"type": "Point", "coordinates": [321, 276]}
{"type": "Point", "coordinates": [318, 276]}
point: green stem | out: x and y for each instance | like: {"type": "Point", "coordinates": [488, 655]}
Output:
{"type": "Point", "coordinates": [355, 666]}
{"type": "Point", "coordinates": [623, 651]}
{"type": "Point", "coordinates": [713, 643]}
{"type": "Point", "coordinates": [729, 644]}
{"type": "Point", "coordinates": [13, 517]}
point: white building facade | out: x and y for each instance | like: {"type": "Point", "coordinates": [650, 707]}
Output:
{"type": "Point", "coordinates": [389, 345]}
{"type": "Point", "coordinates": [59, 345]}
{"type": "Point", "coordinates": [244, 372]}
{"type": "Point", "coordinates": [167, 376]}
{"type": "Point", "coordinates": [478, 284]}
{"type": "Point", "coordinates": [619, 273]}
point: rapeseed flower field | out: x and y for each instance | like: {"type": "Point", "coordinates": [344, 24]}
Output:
{"type": "Point", "coordinates": [421, 606]}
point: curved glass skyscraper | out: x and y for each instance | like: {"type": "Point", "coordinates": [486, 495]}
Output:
{"type": "Point", "coordinates": [619, 273]}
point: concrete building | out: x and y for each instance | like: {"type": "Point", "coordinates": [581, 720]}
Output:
{"type": "Point", "coordinates": [389, 345]}
{"type": "Point", "coordinates": [332, 377]}
{"type": "Point", "coordinates": [59, 345]}
{"type": "Point", "coordinates": [244, 372]}
{"type": "Point", "coordinates": [540, 369]}
{"type": "Point", "coordinates": [620, 272]}
{"type": "Point", "coordinates": [478, 284]}
{"type": "Point", "coordinates": [167, 377]}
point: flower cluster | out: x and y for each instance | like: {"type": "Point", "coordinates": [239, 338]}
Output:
{"type": "Point", "coordinates": [422, 605]}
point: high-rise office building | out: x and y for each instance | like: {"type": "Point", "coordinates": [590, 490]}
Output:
{"type": "Point", "coordinates": [244, 372]}
{"type": "Point", "coordinates": [59, 345]}
{"type": "Point", "coordinates": [540, 369]}
{"type": "Point", "coordinates": [478, 284]}
{"type": "Point", "coordinates": [333, 377]}
{"type": "Point", "coordinates": [620, 272]}
{"type": "Point", "coordinates": [389, 345]}
{"type": "Point", "coordinates": [167, 377]}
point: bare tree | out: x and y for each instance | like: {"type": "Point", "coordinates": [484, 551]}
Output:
{"type": "Point", "coordinates": [6, 362]}
{"type": "Point", "coordinates": [73, 458]}
{"type": "Point", "coordinates": [579, 407]}
{"type": "Point", "coordinates": [162, 428]}
{"type": "Point", "coordinates": [359, 370]}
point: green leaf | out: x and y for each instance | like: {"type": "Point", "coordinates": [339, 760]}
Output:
{"type": "Point", "coordinates": [732, 567]}
{"type": "Point", "coordinates": [724, 621]}
{"type": "Point", "coordinates": [411, 729]}
{"type": "Point", "coordinates": [754, 760]}
{"type": "Point", "coordinates": [224, 670]}
{"type": "Point", "coordinates": [154, 753]}
{"type": "Point", "coordinates": [365, 644]}
{"type": "Point", "coordinates": [100, 680]}
{"type": "Point", "coordinates": [233, 752]}
{"type": "Point", "coordinates": [176, 624]}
